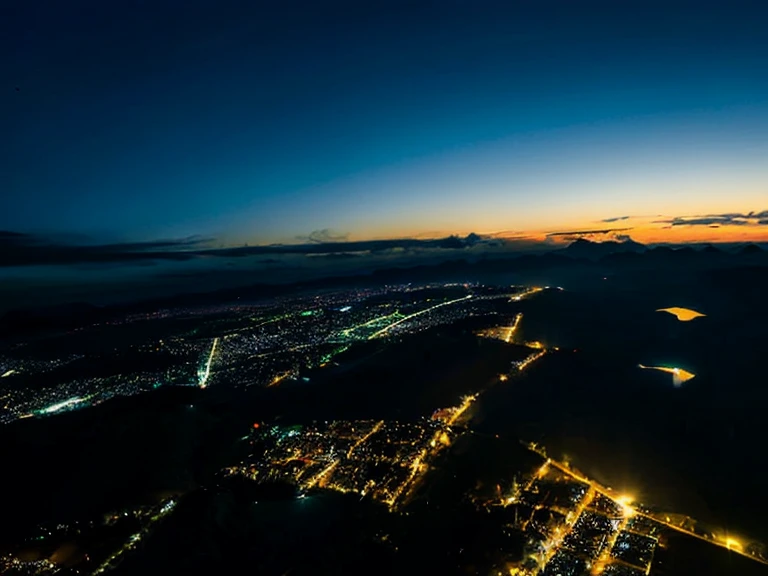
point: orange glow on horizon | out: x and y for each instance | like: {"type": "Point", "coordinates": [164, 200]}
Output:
{"type": "Point", "coordinates": [648, 231]}
{"type": "Point", "coordinates": [655, 229]}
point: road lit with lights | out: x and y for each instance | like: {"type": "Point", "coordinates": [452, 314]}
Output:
{"type": "Point", "coordinates": [133, 541]}
{"type": "Point", "coordinates": [207, 372]}
{"type": "Point", "coordinates": [363, 439]}
{"type": "Point", "coordinates": [511, 330]}
{"type": "Point", "coordinates": [62, 405]}
{"type": "Point", "coordinates": [347, 331]}
{"type": "Point", "coordinates": [279, 378]}
{"type": "Point", "coordinates": [527, 292]}
{"type": "Point", "coordinates": [415, 314]}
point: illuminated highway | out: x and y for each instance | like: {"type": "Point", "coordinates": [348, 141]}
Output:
{"type": "Point", "coordinates": [511, 330]}
{"type": "Point", "coordinates": [552, 547]}
{"type": "Point", "coordinates": [322, 474]}
{"type": "Point", "coordinates": [362, 439]}
{"type": "Point", "coordinates": [273, 320]}
{"type": "Point", "coordinates": [530, 360]}
{"type": "Point", "coordinates": [114, 559]}
{"type": "Point", "coordinates": [62, 405]}
{"type": "Point", "coordinates": [348, 331]}
{"type": "Point", "coordinates": [279, 378]}
{"type": "Point", "coordinates": [524, 294]}
{"type": "Point", "coordinates": [425, 311]}
{"type": "Point", "coordinates": [439, 441]}
{"type": "Point", "coordinates": [466, 402]}
{"type": "Point", "coordinates": [605, 557]}
{"type": "Point", "coordinates": [207, 372]}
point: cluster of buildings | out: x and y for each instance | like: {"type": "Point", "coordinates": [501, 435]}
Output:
{"type": "Point", "coordinates": [371, 458]}
{"type": "Point", "coordinates": [258, 344]}
{"type": "Point", "coordinates": [12, 565]}
{"type": "Point", "coordinates": [573, 527]}
{"type": "Point", "coordinates": [90, 546]}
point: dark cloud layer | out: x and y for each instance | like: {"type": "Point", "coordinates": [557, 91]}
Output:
{"type": "Point", "coordinates": [327, 235]}
{"type": "Point", "coordinates": [615, 219]}
{"type": "Point", "coordinates": [587, 232]}
{"type": "Point", "coordinates": [717, 220]}
{"type": "Point", "coordinates": [26, 249]}
{"type": "Point", "coordinates": [18, 249]}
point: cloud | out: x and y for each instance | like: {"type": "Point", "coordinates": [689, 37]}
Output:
{"type": "Point", "coordinates": [615, 219]}
{"type": "Point", "coordinates": [587, 232]}
{"type": "Point", "coordinates": [708, 221]}
{"type": "Point", "coordinates": [717, 220]}
{"type": "Point", "coordinates": [601, 235]}
{"type": "Point", "coordinates": [327, 235]}
{"type": "Point", "coordinates": [338, 255]}
{"type": "Point", "coordinates": [17, 249]}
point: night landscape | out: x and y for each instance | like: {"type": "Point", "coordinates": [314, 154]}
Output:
{"type": "Point", "coordinates": [472, 288]}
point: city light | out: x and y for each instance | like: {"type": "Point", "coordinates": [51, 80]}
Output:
{"type": "Point", "coordinates": [205, 374]}
{"type": "Point", "coordinates": [415, 314]}
{"type": "Point", "coordinates": [61, 405]}
{"type": "Point", "coordinates": [733, 544]}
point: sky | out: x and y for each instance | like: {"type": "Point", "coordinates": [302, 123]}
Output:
{"type": "Point", "coordinates": [275, 122]}
{"type": "Point", "coordinates": [152, 147]}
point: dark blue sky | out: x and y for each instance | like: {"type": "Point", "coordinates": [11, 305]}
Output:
{"type": "Point", "coordinates": [265, 121]}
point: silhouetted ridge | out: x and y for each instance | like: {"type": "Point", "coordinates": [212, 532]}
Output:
{"type": "Point", "coordinates": [751, 249]}
{"type": "Point", "coordinates": [582, 248]}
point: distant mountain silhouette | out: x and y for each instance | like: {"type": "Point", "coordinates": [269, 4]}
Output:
{"type": "Point", "coordinates": [581, 259]}
{"type": "Point", "coordinates": [751, 249]}
{"type": "Point", "coordinates": [594, 250]}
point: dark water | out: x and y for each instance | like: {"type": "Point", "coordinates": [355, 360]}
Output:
{"type": "Point", "coordinates": [694, 449]}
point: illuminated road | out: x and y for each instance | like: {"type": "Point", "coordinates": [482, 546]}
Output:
{"type": "Point", "coordinates": [511, 330]}
{"type": "Point", "coordinates": [207, 372]}
{"type": "Point", "coordinates": [530, 360]}
{"type": "Point", "coordinates": [279, 378]}
{"type": "Point", "coordinates": [272, 320]}
{"type": "Point", "coordinates": [551, 548]}
{"type": "Point", "coordinates": [605, 556]}
{"type": "Point", "coordinates": [438, 442]}
{"type": "Point", "coordinates": [466, 402]}
{"type": "Point", "coordinates": [319, 477]}
{"type": "Point", "coordinates": [373, 431]}
{"type": "Point", "coordinates": [62, 405]}
{"type": "Point", "coordinates": [112, 561]}
{"type": "Point", "coordinates": [526, 293]}
{"type": "Point", "coordinates": [281, 351]}
{"type": "Point", "coordinates": [348, 331]}
{"type": "Point", "coordinates": [410, 316]}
